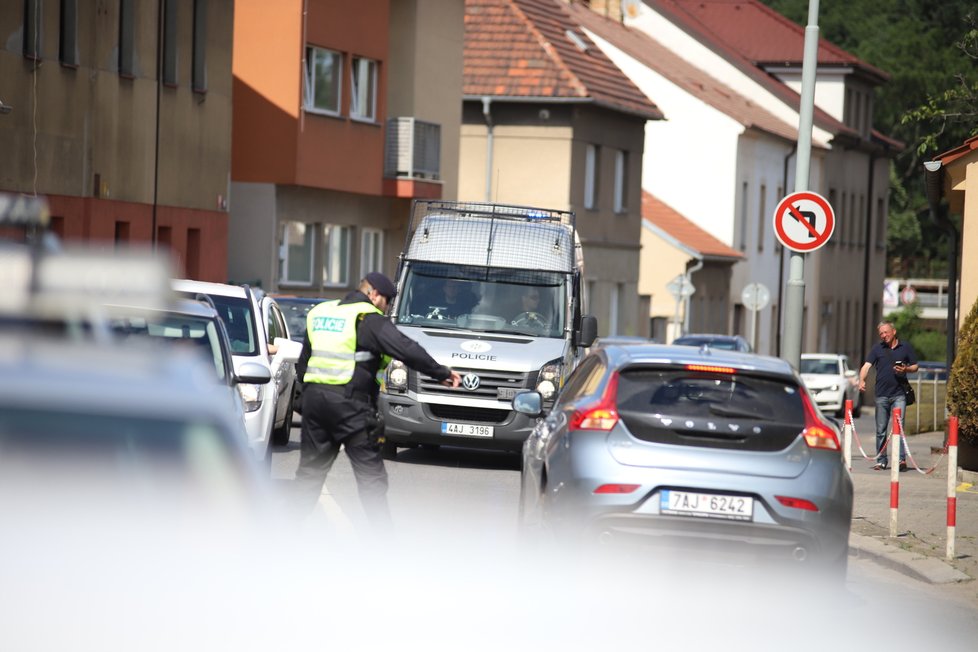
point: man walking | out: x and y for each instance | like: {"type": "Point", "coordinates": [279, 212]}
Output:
{"type": "Point", "coordinates": [892, 360]}
{"type": "Point", "coordinates": [347, 343]}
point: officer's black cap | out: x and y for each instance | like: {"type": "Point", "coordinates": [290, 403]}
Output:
{"type": "Point", "coordinates": [382, 284]}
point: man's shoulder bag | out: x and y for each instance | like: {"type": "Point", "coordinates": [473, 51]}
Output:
{"type": "Point", "coordinates": [907, 390]}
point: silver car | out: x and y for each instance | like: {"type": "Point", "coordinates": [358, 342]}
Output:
{"type": "Point", "coordinates": [698, 449]}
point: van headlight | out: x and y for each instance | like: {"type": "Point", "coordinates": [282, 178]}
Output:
{"type": "Point", "coordinates": [549, 379]}
{"type": "Point", "coordinates": [397, 376]}
{"type": "Point", "coordinates": [251, 395]}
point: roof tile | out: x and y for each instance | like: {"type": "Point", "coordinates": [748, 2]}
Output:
{"type": "Point", "coordinates": [521, 48]}
{"type": "Point", "coordinates": [684, 230]}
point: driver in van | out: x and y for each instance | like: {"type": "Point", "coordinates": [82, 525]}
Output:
{"type": "Point", "coordinates": [531, 311]}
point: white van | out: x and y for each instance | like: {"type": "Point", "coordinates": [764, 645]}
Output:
{"type": "Point", "coordinates": [496, 293]}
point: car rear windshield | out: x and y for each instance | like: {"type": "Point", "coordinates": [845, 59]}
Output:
{"type": "Point", "coordinates": [712, 410]}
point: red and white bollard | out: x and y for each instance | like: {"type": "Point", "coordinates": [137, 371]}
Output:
{"type": "Point", "coordinates": [847, 437]}
{"type": "Point", "coordinates": [952, 483]}
{"type": "Point", "coordinates": [895, 436]}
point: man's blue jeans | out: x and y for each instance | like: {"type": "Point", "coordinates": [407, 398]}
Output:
{"type": "Point", "coordinates": [884, 417]}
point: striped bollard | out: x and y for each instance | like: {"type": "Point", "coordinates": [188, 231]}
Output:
{"type": "Point", "coordinates": [895, 435]}
{"type": "Point", "coordinates": [847, 437]}
{"type": "Point", "coordinates": [952, 481]}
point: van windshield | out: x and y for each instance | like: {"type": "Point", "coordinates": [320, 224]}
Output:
{"type": "Point", "coordinates": [521, 302]}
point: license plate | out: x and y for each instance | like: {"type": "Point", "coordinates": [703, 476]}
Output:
{"type": "Point", "coordinates": [466, 430]}
{"type": "Point", "coordinates": [506, 393]}
{"type": "Point", "coordinates": [688, 503]}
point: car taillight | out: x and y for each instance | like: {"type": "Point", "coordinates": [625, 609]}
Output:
{"type": "Point", "coordinates": [616, 488]}
{"type": "Point", "coordinates": [710, 368]}
{"type": "Point", "coordinates": [797, 503]}
{"type": "Point", "coordinates": [602, 415]}
{"type": "Point", "coordinates": [817, 433]}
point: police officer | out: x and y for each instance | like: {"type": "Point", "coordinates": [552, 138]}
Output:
{"type": "Point", "coordinates": [347, 343]}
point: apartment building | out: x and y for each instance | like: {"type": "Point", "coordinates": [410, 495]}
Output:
{"type": "Point", "coordinates": [119, 113]}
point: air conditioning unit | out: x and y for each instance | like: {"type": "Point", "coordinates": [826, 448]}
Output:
{"type": "Point", "coordinates": [412, 149]}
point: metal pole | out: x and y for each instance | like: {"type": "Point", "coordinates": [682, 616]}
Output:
{"type": "Point", "coordinates": [952, 482]}
{"type": "Point", "coordinates": [896, 434]}
{"type": "Point", "coordinates": [795, 293]}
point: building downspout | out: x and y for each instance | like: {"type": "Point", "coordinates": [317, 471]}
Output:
{"type": "Point", "coordinates": [864, 330]}
{"type": "Point", "coordinates": [689, 274]}
{"type": "Point", "coordinates": [486, 101]}
{"type": "Point", "coordinates": [784, 186]}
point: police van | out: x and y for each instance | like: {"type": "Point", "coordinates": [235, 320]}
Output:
{"type": "Point", "coordinates": [496, 293]}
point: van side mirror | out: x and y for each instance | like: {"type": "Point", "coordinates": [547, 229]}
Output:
{"type": "Point", "coordinates": [529, 403]}
{"type": "Point", "coordinates": [588, 332]}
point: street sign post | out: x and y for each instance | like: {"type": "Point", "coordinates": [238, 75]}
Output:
{"type": "Point", "coordinates": [681, 288]}
{"type": "Point", "coordinates": [755, 298]}
{"type": "Point", "coordinates": [803, 221]}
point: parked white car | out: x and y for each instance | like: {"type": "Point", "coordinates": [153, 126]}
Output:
{"type": "Point", "coordinates": [258, 332]}
{"type": "Point", "coordinates": [831, 382]}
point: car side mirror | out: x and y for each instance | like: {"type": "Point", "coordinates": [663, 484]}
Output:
{"type": "Point", "coordinates": [850, 373]}
{"type": "Point", "coordinates": [252, 373]}
{"type": "Point", "coordinates": [529, 403]}
{"type": "Point", "coordinates": [588, 332]}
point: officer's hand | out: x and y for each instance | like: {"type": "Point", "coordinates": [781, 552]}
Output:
{"type": "Point", "coordinates": [452, 381]}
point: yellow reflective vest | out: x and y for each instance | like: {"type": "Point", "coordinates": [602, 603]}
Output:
{"type": "Point", "coordinates": [332, 331]}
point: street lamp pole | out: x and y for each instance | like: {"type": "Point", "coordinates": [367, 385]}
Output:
{"type": "Point", "coordinates": [795, 291]}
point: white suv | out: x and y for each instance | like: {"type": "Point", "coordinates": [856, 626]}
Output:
{"type": "Point", "coordinates": [831, 382]}
{"type": "Point", "coordinates": [259, 333]}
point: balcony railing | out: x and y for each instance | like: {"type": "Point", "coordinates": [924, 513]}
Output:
{"type": "Point", "coordinates": [412, 149]}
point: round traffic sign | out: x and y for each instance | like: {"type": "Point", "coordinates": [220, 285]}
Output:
{"type": "Point", "coordinates": [803, 221]}
{"type": "Point", "coordinates": [681, 287]}
{"type": "Point", "coordinates": [755, 296]}
{"type": "Point", "coordinates": [908, 295]}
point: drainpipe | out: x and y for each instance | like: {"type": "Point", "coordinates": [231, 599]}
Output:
{"type": "Point", "coordinates": [784, 185]}
{"type": "Point", "coordinates": [689, 273]}
{"type": "Point", "coordinates": [486, 101]}
{"type": "Point", "coordinates": [864, 330]}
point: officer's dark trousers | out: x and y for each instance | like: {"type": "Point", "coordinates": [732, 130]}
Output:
{"type": "Point", "coordinates": [330, 419]}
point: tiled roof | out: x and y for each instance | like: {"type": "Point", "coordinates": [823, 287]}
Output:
{"type": "Point", "coordinates": [683, 74]}
{"type": "Point", "coordinates": [683, 230]}
{"type": "Point", "coordinates": [693, 27]}
{"type": "Point", "coordinates": [532, 49]}
{"type": "Point", "coordinates": [761, 34]}
{"type": "Point", "coordinates": [952, 155]}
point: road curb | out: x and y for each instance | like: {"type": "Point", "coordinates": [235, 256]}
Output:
{"type": "Point", "coordinates": [920, 567]}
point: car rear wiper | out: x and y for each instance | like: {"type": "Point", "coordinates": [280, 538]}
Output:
{"type": "Point", "coordinates": [735, 412]}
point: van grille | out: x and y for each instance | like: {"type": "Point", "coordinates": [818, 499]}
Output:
{"type": "Point", "coordinates": [490, 382]}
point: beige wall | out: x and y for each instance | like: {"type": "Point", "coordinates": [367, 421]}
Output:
{"type": "Point", "coordinates": [661, 262]}
{"type": "Point", "coordinates": [962, 194]}
{"type": "Point", "coordinates": [425, 80]}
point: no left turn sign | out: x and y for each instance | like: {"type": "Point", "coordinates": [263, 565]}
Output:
{"type": "Point", "coordinates": [803, 221]}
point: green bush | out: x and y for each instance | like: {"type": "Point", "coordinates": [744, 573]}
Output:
{"type": "Point", "coordinates": [962, 385]}
{"type": "Point", "coordinates": [930, 345]}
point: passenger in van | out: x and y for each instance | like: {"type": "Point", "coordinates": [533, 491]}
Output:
{"type": "Point", "coordinates": [456, 298]}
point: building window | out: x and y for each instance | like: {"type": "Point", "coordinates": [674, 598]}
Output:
{"type": "Point", "coordinates": [621, 181]}
{"type": "Point", "coordinates": [371, 251]}
{"type": "Point", "coordinates": [199, 72]}
{"type": "Point", "coordinates": [67, 47]}
{"type": "Point", "coordinates": [121, 233]}
{"type": "Point", "coordinates": [761, 216]}
{"type": "Point", "coordinates": [743, 216]}
{"type": "Point", "coordinates": [32, 29]}
{"type": "Point", "coordinates": [170, 42]}
{"type": "Point", "coordinates": [296, 253]}
{"type": "Point", "coordinates": [126, 32]}
{"type": "Point", "coordinates": [591, 157]}
{"type": "Point", "coordinates": [336, 255]}
{"type": "Point", "coordinates": [323, 74]}
{"type": "Point", "coordinates": [363, 98]}
{"type": "Point", "coordinates": [193, 254]}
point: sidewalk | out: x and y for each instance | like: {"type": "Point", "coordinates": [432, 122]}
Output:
{"type": "Point", "coordinates": [919, 549]}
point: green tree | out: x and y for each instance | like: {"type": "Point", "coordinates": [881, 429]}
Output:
{"type": "Point", "coordinates": [962, 386]}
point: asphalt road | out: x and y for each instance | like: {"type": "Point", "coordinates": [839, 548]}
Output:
{"type": "Point", "coordinates": [461, 502]}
